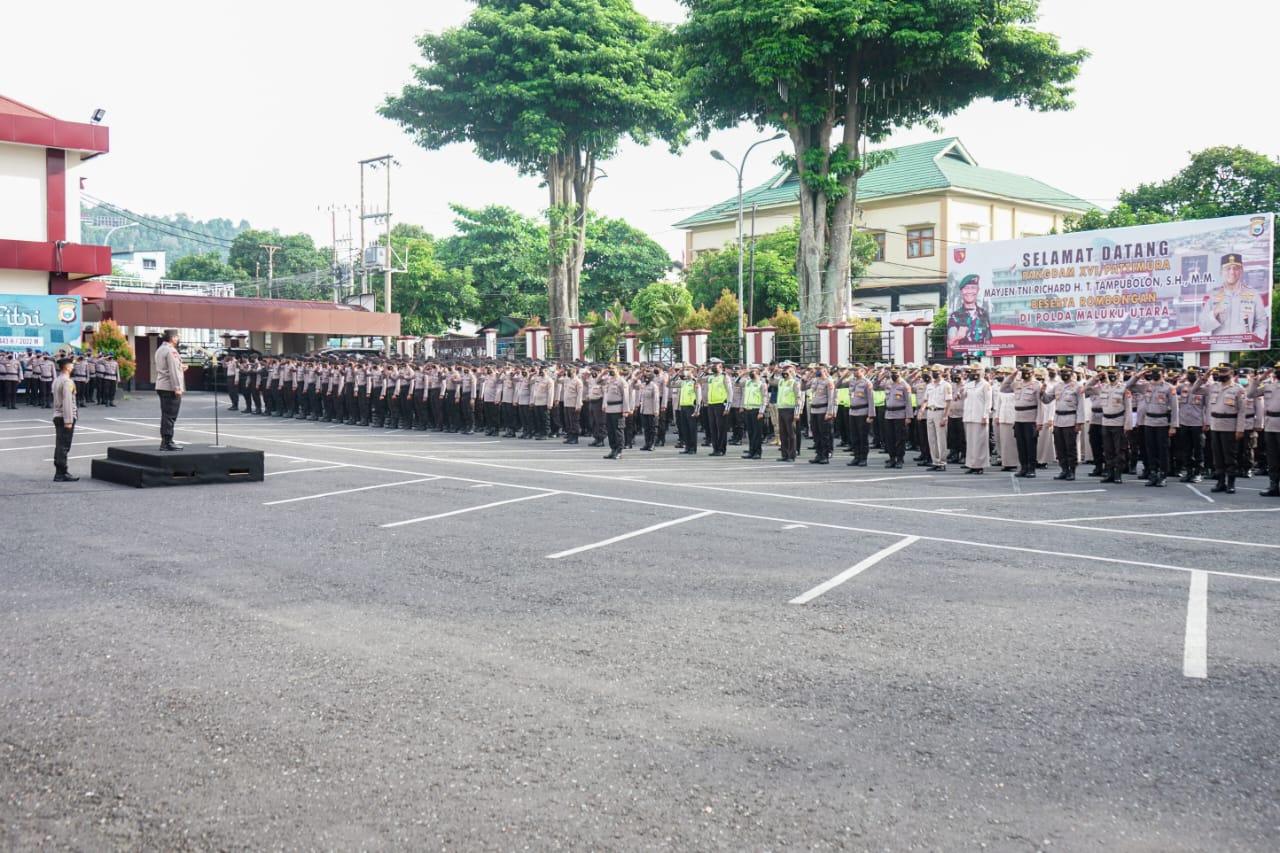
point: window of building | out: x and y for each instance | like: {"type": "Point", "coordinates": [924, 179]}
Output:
{"type": "Point", "coordinates": [920, 242]}
{"type": "Point", "coordinates": [878, 236]}
{"type": "Point", "coordinates": [148, 263]}
{"type": "Point", "coordinates": [970, 233]}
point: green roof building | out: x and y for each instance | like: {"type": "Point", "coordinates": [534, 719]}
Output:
{"type": "Point", "coordinates": [925, 200]}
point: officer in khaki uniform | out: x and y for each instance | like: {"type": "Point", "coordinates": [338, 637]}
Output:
{"type": "Point", "coordinates": [1228, 413]}
{"type": "Point", "coordinates": [1111, 400]}
{"type": "Point", "coordinates": [1266, 386]}
{"type": "Point", "coordinates": [1066, 401]}
{"type": "Point", "coordinates": [1026, 392]}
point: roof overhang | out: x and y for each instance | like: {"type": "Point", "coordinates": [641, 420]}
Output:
{"type": "Point", "coordinates": [285, 316]}
{"type": "Point", "coordinates": [24, 125]}
{"type": "Point", "coordinates": [74, 260]}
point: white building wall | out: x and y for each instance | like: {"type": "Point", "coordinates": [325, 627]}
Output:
{"type": "Point", "coordinates": [25, 282]}
{"type": "Point", "coordinates": [74, 167]}
{"type": "Point", "coordinates": [23, 211]}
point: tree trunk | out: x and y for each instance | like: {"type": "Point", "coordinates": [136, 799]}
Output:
{"type": "Point", "coordinates": [836, 283]}
{"type": "Point", "coordinates": [813, 225]}
{"type": "Point", "coordinates": [570, 179]}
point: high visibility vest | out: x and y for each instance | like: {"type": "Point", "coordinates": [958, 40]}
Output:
{"type": "Point", "coordinates": [716, 390]}
{"type": "Point", "coordinates": [752, 395]}
{"type": "Point", "coordinates": [786, 394]}
{"type": "Point", "coordinates": [879, 398]}
{"type": "Point", "coordinates": [842, 397]}
{"type": "Point", "coordinates": [688, 392]}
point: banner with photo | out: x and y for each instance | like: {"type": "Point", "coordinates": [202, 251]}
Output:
{"type": "Point", "coordinates": [48, 323]}
{"type": "Point", "coordinates": [1189, 286]}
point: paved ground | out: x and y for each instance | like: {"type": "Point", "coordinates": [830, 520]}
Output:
{"type": "Point", "coordinates": [421, 641]}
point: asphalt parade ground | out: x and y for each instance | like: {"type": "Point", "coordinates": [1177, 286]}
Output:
{"type": "Point", "coordinates": [406, 640]}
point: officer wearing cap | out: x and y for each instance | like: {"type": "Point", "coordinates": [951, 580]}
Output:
{"type": "Point", "coordinates": [1189, 442]}
{"type": "Point", "coordinates": [897, 416]}
{"type": "Point", "coordinates": [63, 393]}
{"type": "Point", "coordinates": [1158, 421]}
{"type": "Point", "coordinates": [170, 385]}
{"type": "Point", "coordinates": [1111, 399]}
{"type": "Point", "coordinates": [1232, 309]}
{"type": "Point", "coordinates": [1265, 386]}
{"type": "Point", "coordinates": [1228, 405]}
{"type": "Point", "coordinates": [1026, 390]}
{"type": "Point", "coordinates": [1066, 401]}
{"type": "Point", "coordinates": [861, 414]}
{"type": "Point", "coordinates": [10, 375]}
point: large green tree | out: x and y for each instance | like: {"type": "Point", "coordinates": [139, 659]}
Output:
{"type": "Point", "coordinates": [206, 266]}
{"type": "Point", "coordinates": [298, 269]}
{"type": "Point", "coordinates": [550, 87]}
{"type": "Point", "coordinates": [619, 262]}
{"type": "Point", "coordinates": [504, 254]}
{"type": "Point", "coordinates": [836, 73]}
{"type": "Point", "coordinates": [429, 296]}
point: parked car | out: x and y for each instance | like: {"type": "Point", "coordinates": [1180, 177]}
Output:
{"type": "Point", "coordinates": [350, 352]}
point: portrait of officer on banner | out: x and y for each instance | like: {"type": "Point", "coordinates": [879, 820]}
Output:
{"type": "Point", "coordinates": [1233, 309]}
{"type": "Point", "coordinates": [969, 325]}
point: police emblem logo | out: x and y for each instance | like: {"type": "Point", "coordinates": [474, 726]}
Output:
{"type": "Point", "coordinates": [958, 255]}
{"type": "Point", "coordinates": [67, 310]}
{"type": "Point", "coordinates": [1257, 226]}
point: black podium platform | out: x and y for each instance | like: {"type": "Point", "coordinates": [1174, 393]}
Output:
{"type": "Point", "coordinates": [192, 465]}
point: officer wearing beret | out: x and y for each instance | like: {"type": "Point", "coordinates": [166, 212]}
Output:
{"type": "Point", "coordinates": [970, 324]}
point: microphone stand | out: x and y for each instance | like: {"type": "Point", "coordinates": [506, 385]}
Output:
{"type": "Point", "coordinates": [217, 441]}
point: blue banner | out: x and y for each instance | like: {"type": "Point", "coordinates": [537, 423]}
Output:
{"type": "Point", "coordinates": [49, 323]}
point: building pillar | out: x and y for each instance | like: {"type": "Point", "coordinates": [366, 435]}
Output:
{"type": "Point", "coordinates": [631, 347]}
{"type": "Point", "coordinates": [693, 345]}
{"type": "Point", "coordinates": [490, 342]}
{"type": "Point", "coordinates": [535, 342]}
{"type": "Point", "coordinates": [580, 339]}
{"type": "Point", "coordinates": [428, 346]}
{"type": "Point", "coordinates": [760, 344]}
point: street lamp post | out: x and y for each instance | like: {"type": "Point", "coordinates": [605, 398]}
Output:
{"type": "Point", "coordinates": [738, 171]}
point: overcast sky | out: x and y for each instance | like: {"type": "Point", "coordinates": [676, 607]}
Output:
{"type": "Point", "coordinates": [260, 111]}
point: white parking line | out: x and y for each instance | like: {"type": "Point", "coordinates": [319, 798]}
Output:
{"type": "Point", "coordinates": [302, 470]}
{"type": "Point", "coordinates": [631, 535]}
{"type": "Point", "coordinates": [77, 444]}
{"type": "Point", "coordinates": [349, 491]}
{"type": "Point", "coordinates": [1195, 651]}
{"type": "Point", "coordinates": [1198, 493]}
{"type": "Point", "coordinates": [973, 497]}
{"type": "Point", "coordinates": [469, 509]}
{"type": "Point", "coordinates": [854, 571]}
{"type": "Point", "coordinates": [1167, 514]}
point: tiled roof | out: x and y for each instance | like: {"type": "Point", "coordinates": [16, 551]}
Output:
{"type": "Point", "coordinates": [934, 165]}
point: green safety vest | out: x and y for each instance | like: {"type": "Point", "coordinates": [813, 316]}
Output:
{"type": "Point", "coordinates": [786, 394]}
{"type": "Point", "coordinates": [842, 397]}
{"type": "Point", "coordinates": [688, 392]}
{"type": "Point", "coordinates": [752, 395]}
{"type": "Point", "coordinates": [716, 390]}
{"type": "Point", "coordinates": [879, 398]}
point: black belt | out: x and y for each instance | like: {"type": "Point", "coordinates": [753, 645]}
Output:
{"type": "Point", "coordinates": [1064, 414]}
{"type": "Point", "coordinates": [1273, 414]}
{"type": "Point", "coordinates": [1225, 414]}
{"type": "Point", "coordinates": [894, 408]}
{"type": "Point", "coordinates": [1158, 415]}
{"type": "Point", "coordinates": [1024, 408]}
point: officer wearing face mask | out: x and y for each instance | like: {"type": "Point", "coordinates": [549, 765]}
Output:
{"type": "Point", "coordinates": [1159, 422]}
{"type": "Point", "coordinates": [897, 416]}
{"type": "Point", "coordinates": [1026, 392]}
{"type": "Point", "coordinates": [1066, 400]}
{"type": "Point", "coordinates": [1111, 399]}
{"type": "Point", "coordinates": [1266, 385]}
{"type": "Point", "coordinates": [1226, 425]}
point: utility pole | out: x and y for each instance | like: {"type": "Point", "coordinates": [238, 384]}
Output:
{"type": "Point", "coordinates": [271, 264]}
{"type": "Point", "coordinates": [751, 293]}
{"type": "Point", "coordinates": [386, 161]}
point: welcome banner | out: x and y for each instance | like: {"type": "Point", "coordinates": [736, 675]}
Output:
{"type": "Point", "coordinates": [1176, 287]}
{"type": "Point", "coordinates": [49, 323]}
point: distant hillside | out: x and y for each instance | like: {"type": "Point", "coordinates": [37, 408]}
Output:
{"type": "Point", "coordinates": [178, 234]}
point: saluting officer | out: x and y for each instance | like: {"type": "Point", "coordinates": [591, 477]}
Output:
{"type": "Point", "coordinates": [1026, 392]}
{"type": "Point", "coordinates": [1111, 401]}
{"type": "Point", "coordinates": [897, 416]}
{"type": "Point", "coordinates": [1067, 403]}
{"type": "Point", "coordinates": [1159, 421]}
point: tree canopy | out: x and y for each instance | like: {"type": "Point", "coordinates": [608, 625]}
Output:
{"type": "Point", "coordinates": [836, 73]}
{"type": "Point", "coordinates": [550, 88]}
{"type": "Point", "coordinates": [619, 262]}
{"type": "Point", "coordinates": [206, 266]}
{"type": "Point", "coordinates": [505, 255]}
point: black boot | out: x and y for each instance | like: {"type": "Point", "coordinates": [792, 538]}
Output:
{"type": "Point", "coordinates": [1071, 472]}
{"type": "Point", "coordinates": [1064, 474]}
{"type": "Point", "coordinates": [1118, 474]}
{"type": "Point", "coordinates": [1231, 484]}
{"type": "Point", "coordinates": [1274, 491]}
{"type": "Point", "coordinates": [1097, 470]}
